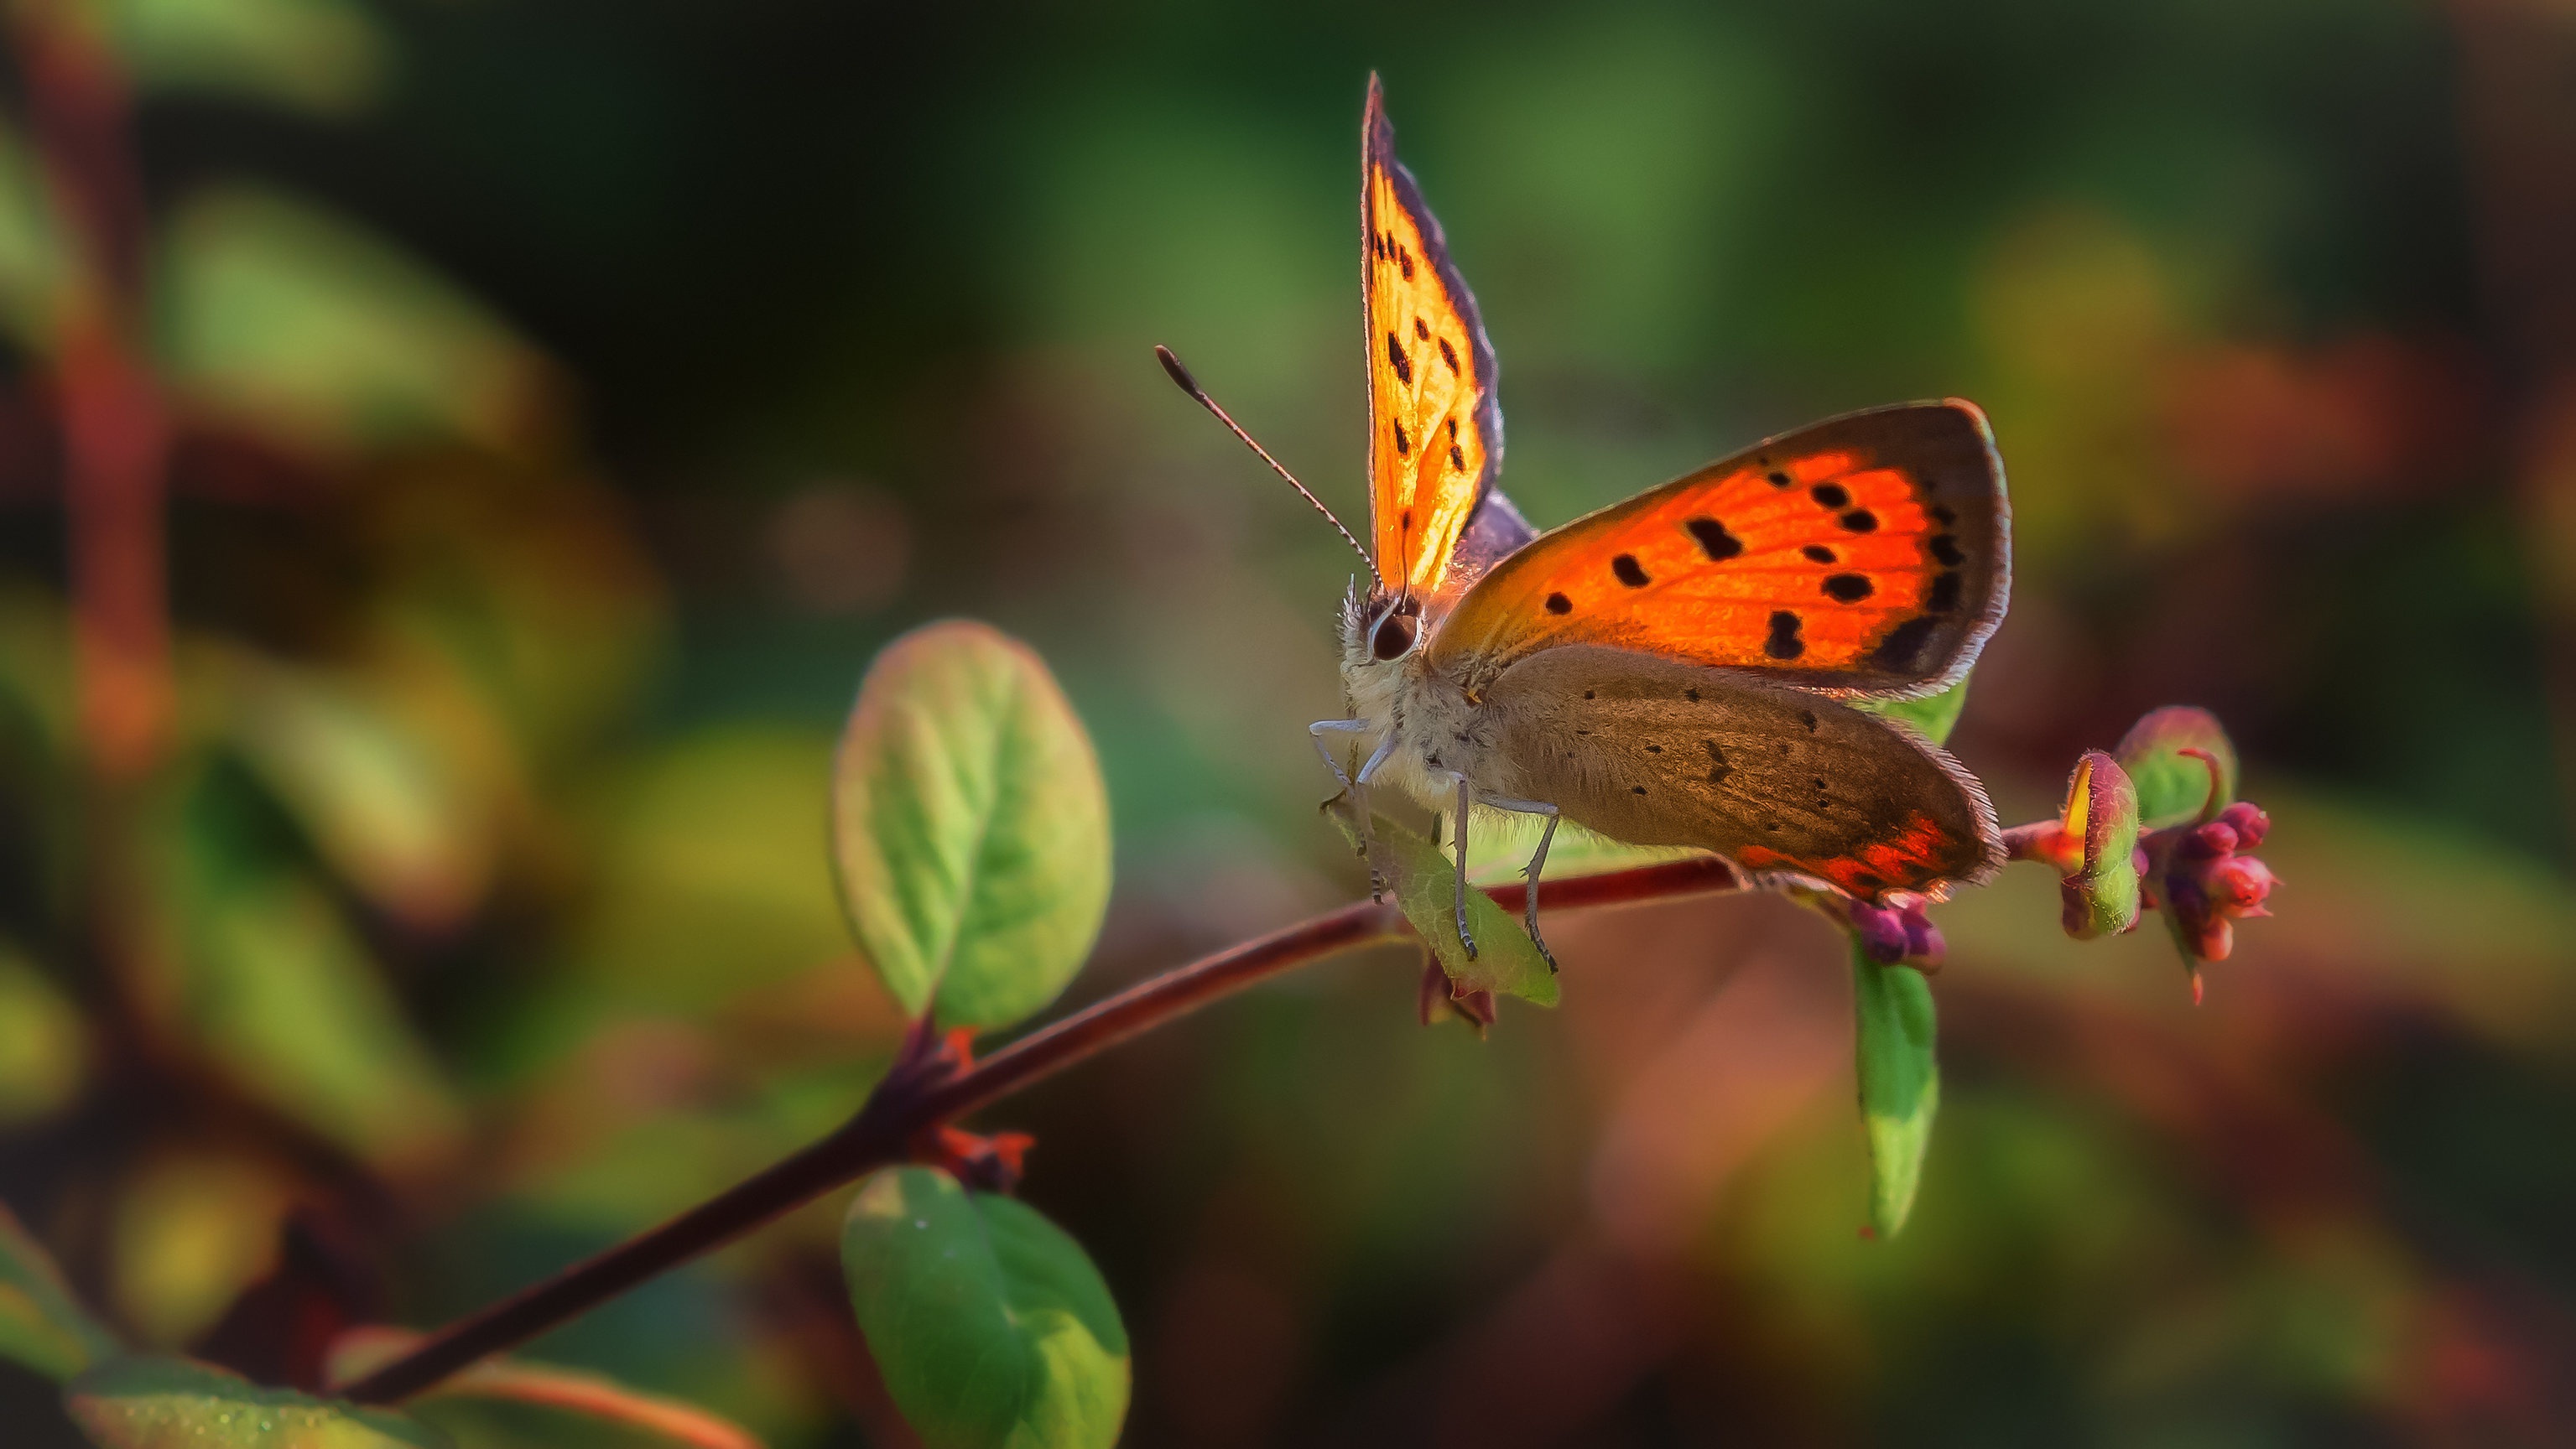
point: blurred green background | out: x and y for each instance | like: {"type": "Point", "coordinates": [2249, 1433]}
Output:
{"type": "Point", "coordinates": [568, 399]}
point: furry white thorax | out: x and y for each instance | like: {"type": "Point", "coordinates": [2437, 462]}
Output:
{"type": "Point", "coordinates": [1436, 727]}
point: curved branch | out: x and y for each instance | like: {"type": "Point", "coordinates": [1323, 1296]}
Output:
{"type": "Point", "coordinates": [905, 1104]}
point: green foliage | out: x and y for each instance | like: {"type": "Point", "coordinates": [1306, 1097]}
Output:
{"type": "Point", "coordinates": [44, 1043]}
{"type": "Point", "coordinates": [1425, 885]}
{"type": "Point", "coordinates": [1933, 715]}
{"type": "Point", "coordinates": [301, 326]}
{"type": "Point", "coordinates": [2173, 787]}
{"type": "Point", "coordinates": [41, 1325]}
{"type": "Point", "coordinates": [2101, 893]}
{"type": "Point", "coordinates": [1900, 1083]}
{"type": "Point", "coordinates": [327, 57]}
{"type": "Point", "coordinates": [970, 827]}
{"type": "Point", "coordinates": [155, 1402]}
{"type": "Point", "coordinates": [275, 986]}
{"type": "Point", "coordinates": [990, 1325]}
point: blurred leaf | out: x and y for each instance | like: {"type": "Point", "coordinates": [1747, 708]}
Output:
{"type": "Point", "coordinates": [2100, 897]}
{"type": "Point", "coordinates": [275, 986]}
{"type": "Point", "coordinates": [34, 268]}
{"type": "Point", "coordinates": [970, 826]}
{"type": "Point", "coordinates": [990, 1324]}
{"type": "Point", "coordinates": [375, 801]}
{"type": "Point", "coordinates": [1933, 715]}
{"type": "Point", "coordinates": [303, 327]}
{"type": "Point", "coordinates": [155, 1402]}
{"type": "Point", "coordinates": [326, 57]}
{"type": "Point", "coordinates": [2174, 787]}
{"type": "Point", "coordinates": [593, 1396]}
{"type": "Point", "coordinates": [190, 1230]}
{"type": "Point", "coordinates": [1900, 1083]}
{"type": "Point", "coordinates": [41, 1325]}
{"type": "Point", "coordinates": [44, 1043]}
{"type": "Point", "coordinates": [1425, 885]}
{"type": "Point", "coordinates": [710, 885]}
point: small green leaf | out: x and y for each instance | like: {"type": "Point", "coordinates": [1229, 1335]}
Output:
{"type": "Point", "coordinates": [1933, 715]}
{"type": "Point", "coordinates": [970, 827]}
{"type": "Point", "coordinates": [274, 984]}
{"type": "Point", "coordinates": [1900, 1084]}
{"type": "Point", "coordinates": [304, 327]}
{"type": "Point", "coordinates": [2174, 787]}
{"type": "Point", "coordinates": [154, 1402]}
{"type": "Point", "coordinates": [2100, 895]}
{"type": "Point", "coordinates": [1425, 884]}
{"type": "Point", "coordinates": [41, 1325]}
{"type": "Point", "coordinates": [989, 1323]}
{"type": "Point", "coordinates": [325, 57]}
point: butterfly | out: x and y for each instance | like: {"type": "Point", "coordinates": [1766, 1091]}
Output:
{"type": "Point", "coordinates": [1681, 669]}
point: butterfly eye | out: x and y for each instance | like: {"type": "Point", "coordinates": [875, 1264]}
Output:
{"type": "Point", "coordinates": [1393, 637]}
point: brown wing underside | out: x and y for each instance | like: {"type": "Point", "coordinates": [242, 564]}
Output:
{"type": "Point", "coordinates": [1652, 751]}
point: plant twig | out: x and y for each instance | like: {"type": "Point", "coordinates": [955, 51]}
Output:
{"type": "Point", "coordinates": [905, 1104]}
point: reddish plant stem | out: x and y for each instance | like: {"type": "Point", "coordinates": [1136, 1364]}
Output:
{"type": "Point", "coordinates": [904, 1105]}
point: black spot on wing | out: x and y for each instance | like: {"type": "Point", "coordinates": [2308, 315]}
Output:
{"type": "Point", "coordinates": [1636, 789]}
{"type": "Point", "coordinates": [1714, 540]}
{"type": "Point", "coordinates": [1421, 330]}
{"type": "Point", "coordinates": [1901, 651]}
{"type": "Point", "coordinates": [1629, 571]}
{"type": "Point", "coordinates": [1559, 604]}
{"type": "Point", "coordinates": [1946, 549]}
{"type": "Point", "coordinates": [1848, 588]}
{"type": "Point", "coordinates": [1404, 255]}
{"type": "Point", "coordinates": [1778, 478]}
{"type": "Point", "coordinates": [1860, 520]}
{"type": "Point", "coordinates": [1457, 459]}
{"type": "Point", "coordinates": [1818, 553]}
{"type": "Point", "coordinates": [1807, 717]}
{"type": "Point", "coordinates": [1945, 593]}
{"type": "Point", "coordinates": [1691, 694]}
{"type": "Point", "coordinates": [1448, 354]}
{"type": "Point", "coordinates": [1403, 444]}
{"type": "Point", "coordinates": [1942, 515]}
{"type": "Point", "coordinates": [1784, 642]}
{"type": "Point", "coordinates": [1831, 495]}
{"type": "Point", "coordinates": [1396, 359]}
{"type": "Point", "coordinates": [1718, 768]}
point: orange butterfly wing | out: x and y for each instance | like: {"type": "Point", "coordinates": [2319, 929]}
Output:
{"type": "Point", "coordinates": [1435, 428]}
{"type": "Point", "coordinates": [1868, 553]}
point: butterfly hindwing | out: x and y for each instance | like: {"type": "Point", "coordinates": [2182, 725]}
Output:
{"type": "Point", "coordinates": [1867, 553]}
{"type": "Point", "coordinates": [1435, 428]}
{"type": "Point", "coordinates": [1653, 751]}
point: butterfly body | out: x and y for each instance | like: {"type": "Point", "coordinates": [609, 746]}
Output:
{"type": "Point", "coordinates": [1676, 669]}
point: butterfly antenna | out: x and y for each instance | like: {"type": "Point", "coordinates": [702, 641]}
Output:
{"type": "Point", "coordinates": [1189, 384]}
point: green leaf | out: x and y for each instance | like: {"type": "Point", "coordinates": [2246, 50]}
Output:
{"type": "Point", "coordinates": [279, 317]}
{"type": "Point", "coordinates": [41, 1325]}
{"type": "Point", "coordinates": [2174, 787]}
{"type": "Point", "coordinates": [274, 985]}
{"type": "Point", "coordinates": [325, 57]}
{"type": "Point", "coordinates": [970, 827]}
{"type": "Point", "coordinates": [154, 1402]}
{"type": "Point", "coordinates": [989, 1323]}
{"type": "Point", "coordinates": [1933, 715]}
{"type": "Point", "coordinates": [1425, 885]}
{"type": "Point", "coordinates": [44, 1042]}
{"type": "Point", "coordinates": [35, 262]}
{"type": "Point", "coordinates": [2100, 896]}
{"type": "Point", "coordinates": [571, 1391]}
{"type": "Point", "coordinates": [1900, 1084]}
{"type": "Point", "coordinates": [374, 798]}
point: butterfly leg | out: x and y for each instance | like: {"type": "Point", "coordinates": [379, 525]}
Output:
{"type": "Point", "coordinates": [1466, 801]}
{"type": "Point", "coordinates": [1538, 862]}
{"type": "Point", "coordinates": [1355, 786]}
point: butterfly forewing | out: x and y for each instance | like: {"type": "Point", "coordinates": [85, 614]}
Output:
{"type": "Point", "coordinates": [1867, 553]}
{"type": "Point", "coordinates": [1435, 431]}
{"type": "Point", "coordinates": [1653, 751]}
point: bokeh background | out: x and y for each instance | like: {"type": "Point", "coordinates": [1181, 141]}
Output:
{"type": "Point", "coordinates": [565, 400]}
